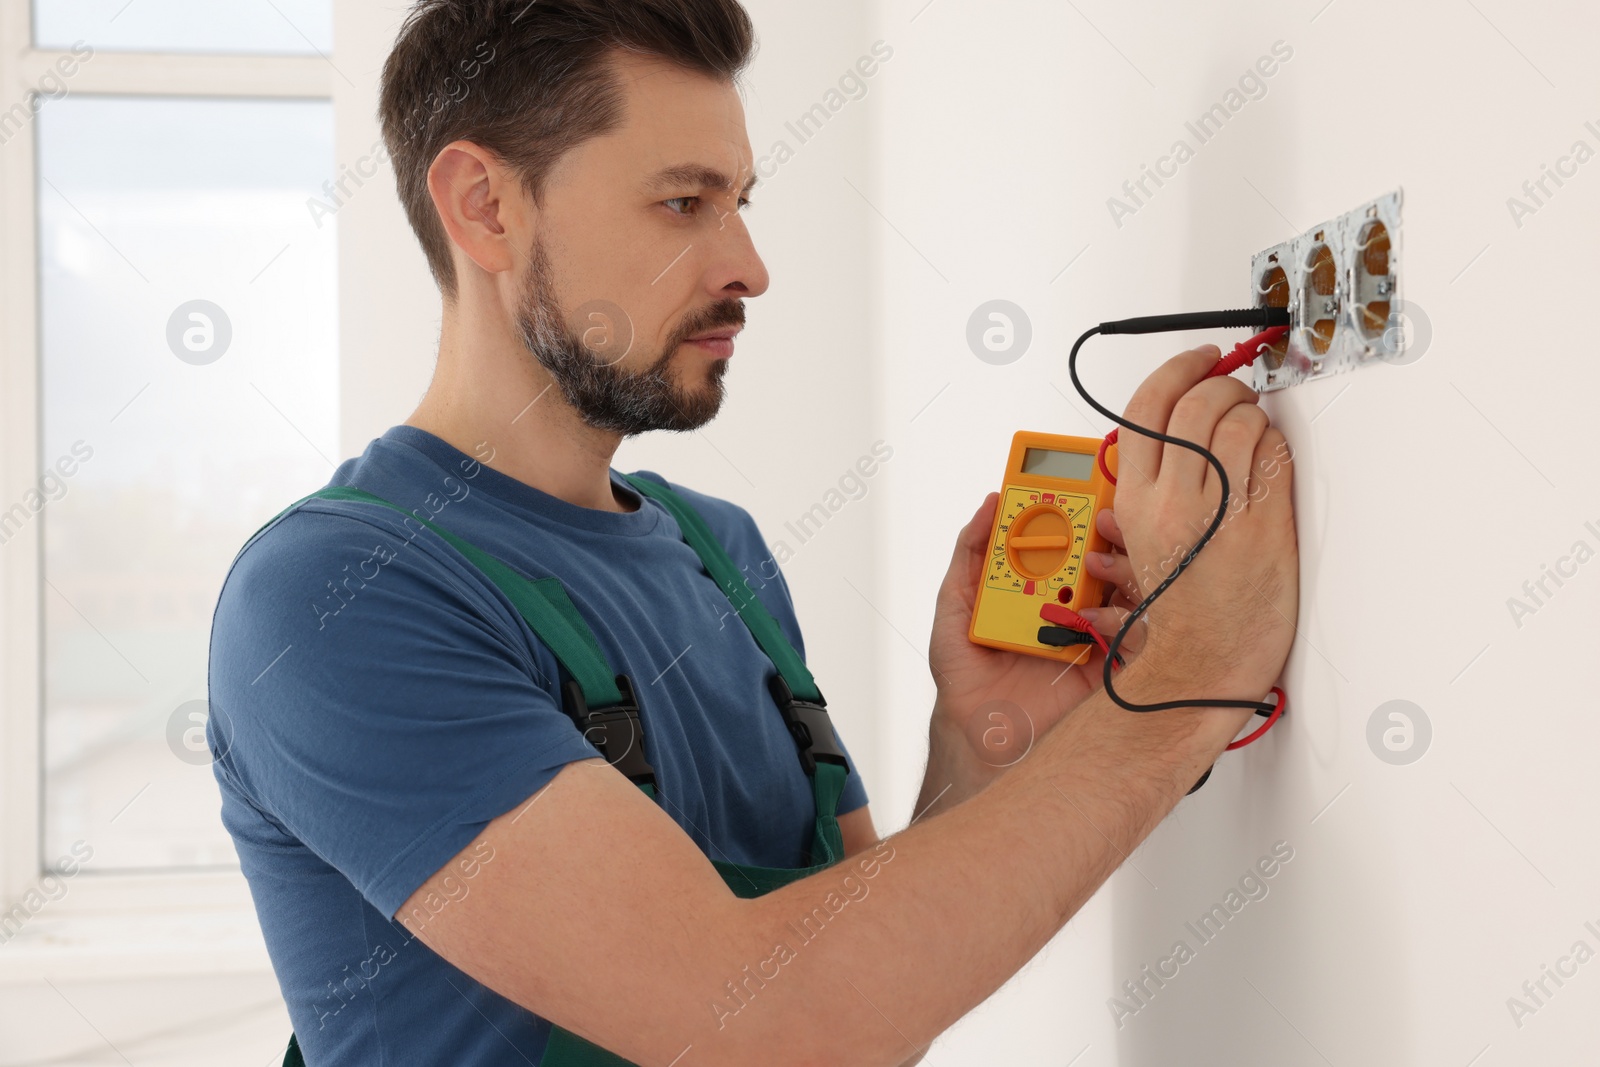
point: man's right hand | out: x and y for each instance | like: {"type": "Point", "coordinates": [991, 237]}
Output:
{"type": "Point", "coordinates": [1223, 629]}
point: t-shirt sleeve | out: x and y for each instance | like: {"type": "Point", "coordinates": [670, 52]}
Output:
{"type": "Point", "coordinates": [375, 695]}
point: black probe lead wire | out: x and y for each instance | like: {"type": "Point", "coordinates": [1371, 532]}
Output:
{"type": "Point", "coordinates": [1152, 326]}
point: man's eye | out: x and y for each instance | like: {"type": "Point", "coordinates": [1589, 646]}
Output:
{"type": "Point", "coordinates": [692, 204]}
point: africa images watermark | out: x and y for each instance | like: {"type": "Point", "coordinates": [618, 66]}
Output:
{"type": "Point", "coordinates": [1152, 978]}
{"type": "Point", "coordinates": [341, 595]}
{"type": "Point", "coordinates": [1252, 85]}
{"type": "Point", "coordinates": [1538, 192]}
{"type": "Point", "coordinates": [852, 85]}
{"type": "Point", "coordinates": [454, 889]}
{"type": "Point", "coordinates": [51, 86]}
{"type": "Point", "coordinates": [52, 486]}
{"type": "Point", "coordinates": [51, 887]}
{"type": "Point", "coordinates": [452, 91]}
{"type": "Point", "coordinates": [1536, 592]}
{"type": "Point", "coordinates": [1536, 992]}
{"type": "Point", "coordinates": [741, 992]}
{"type": "Point", "coordinates": [850, 486]}
{"type": "Point", "coordinates": [1149, 577]}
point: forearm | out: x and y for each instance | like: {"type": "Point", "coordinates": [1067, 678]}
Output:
{"type": "Point", "coordinates": [960, 900]}
{"type": "Point", "coordinates": [953, 774]}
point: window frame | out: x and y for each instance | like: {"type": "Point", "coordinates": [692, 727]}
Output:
{"type": "Point", "coordinates": [115, 924]}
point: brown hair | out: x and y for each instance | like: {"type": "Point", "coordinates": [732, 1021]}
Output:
{"type": "Point", "coordinates": [528, 80]}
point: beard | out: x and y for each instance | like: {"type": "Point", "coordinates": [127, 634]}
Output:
{"type": "Point", "coordinates": [586, 369]}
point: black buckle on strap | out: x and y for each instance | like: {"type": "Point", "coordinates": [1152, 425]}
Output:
{"type": "Point", "coordinates": [809, 725]}
{"type": "Point", "coordinates": [616, 730]}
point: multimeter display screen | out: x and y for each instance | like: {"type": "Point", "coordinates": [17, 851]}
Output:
{"type": "Point", "coordinates": [1074, 466]}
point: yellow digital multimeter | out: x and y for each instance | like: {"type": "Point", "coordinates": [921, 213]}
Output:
{"type": "Point", "coordinates": [1043, 527]}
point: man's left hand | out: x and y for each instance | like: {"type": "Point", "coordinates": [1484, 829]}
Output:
{"type": "Point", "coordinates": [993, 704]}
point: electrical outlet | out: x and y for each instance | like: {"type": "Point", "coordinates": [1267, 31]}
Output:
{"type": "Point", "coordinates": [1341, 284]}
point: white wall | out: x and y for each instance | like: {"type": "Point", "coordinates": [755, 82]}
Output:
{"type": "Point", "coordinates": [1422, 899]}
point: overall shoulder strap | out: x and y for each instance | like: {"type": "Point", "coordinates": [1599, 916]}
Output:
{"type": "Point", "coordinates": [543, 603]}
{"type": "Point", "coordinates": [793, 688]}
{"type": "Point", "coordinates": [602, 704]}
{"type": "Point", "coordinates": [763, 627]}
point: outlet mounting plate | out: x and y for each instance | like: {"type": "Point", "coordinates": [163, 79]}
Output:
{"type": "Point", "coordinates": [1341, 283]}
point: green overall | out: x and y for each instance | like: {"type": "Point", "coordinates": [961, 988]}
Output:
{"type": "Point", "coordinates": [605, 708]}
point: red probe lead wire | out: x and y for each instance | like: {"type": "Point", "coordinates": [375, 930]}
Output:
{"type": "Point", "coordinates": [1277, 713]}
{"type": "Point", "coordinates": [1243, 354]}
{"type": "Point", "coordinates": [1061, 615]}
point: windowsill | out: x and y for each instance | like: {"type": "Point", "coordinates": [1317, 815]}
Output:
{"type": "Point", "coordinates": [138, 926]}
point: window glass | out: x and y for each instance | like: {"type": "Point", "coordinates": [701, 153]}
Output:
{"type": "Point", "coordinates": [189, 387]}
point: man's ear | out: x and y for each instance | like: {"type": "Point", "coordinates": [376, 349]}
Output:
{"type": "Point", "coordinates": [478, 201]}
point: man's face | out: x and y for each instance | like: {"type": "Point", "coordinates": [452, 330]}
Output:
{"type": "Point", "coordinates": [641, 247]}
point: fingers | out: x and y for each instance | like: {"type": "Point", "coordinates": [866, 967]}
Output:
{"type": "Point", "coordinates": [1152, 406]}
{"type": "Point", "coordinates": [1195, 418]}
{"type": "Point", "coordinates": [1106, 522]}
{"type": "Point", "coordinates": [1271, 488]}
{"type": "Point", "coordinates": [1120, 600]}
{"type": "Point", "coordinates": [975, 534]}
{"type": "Point", "coordinates": [1113, 567]}
{"type": "Point", "coordinates": [1109, 620]}
{"type": "Point", "coordinates": [966, 560]}
{"type": "Point", "coordinates": [1234, 443]}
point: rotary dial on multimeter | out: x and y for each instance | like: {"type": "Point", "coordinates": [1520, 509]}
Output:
{"type": "Point", "coordinates": [1043, 531]}
{"type": "Point", "coordinates": [1040, 541]}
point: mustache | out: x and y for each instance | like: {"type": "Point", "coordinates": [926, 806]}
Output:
{"type": "Point", "coordinates": [722, 313]}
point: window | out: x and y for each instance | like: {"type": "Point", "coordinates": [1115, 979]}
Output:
{"type": "Point", "coordinates": [170, 377]}
{"type": "Point", "coordinates": [188, 383]}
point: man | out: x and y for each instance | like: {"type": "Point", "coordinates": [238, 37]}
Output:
{"type": "Point", "coordinates": [445, 868]}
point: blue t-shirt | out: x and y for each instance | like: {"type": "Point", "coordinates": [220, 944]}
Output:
{"type": "Point", "coordinates": [376, 701]}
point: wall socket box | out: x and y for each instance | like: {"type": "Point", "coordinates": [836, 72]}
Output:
{"type": "Point", "coordinates": [1341, 283]}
